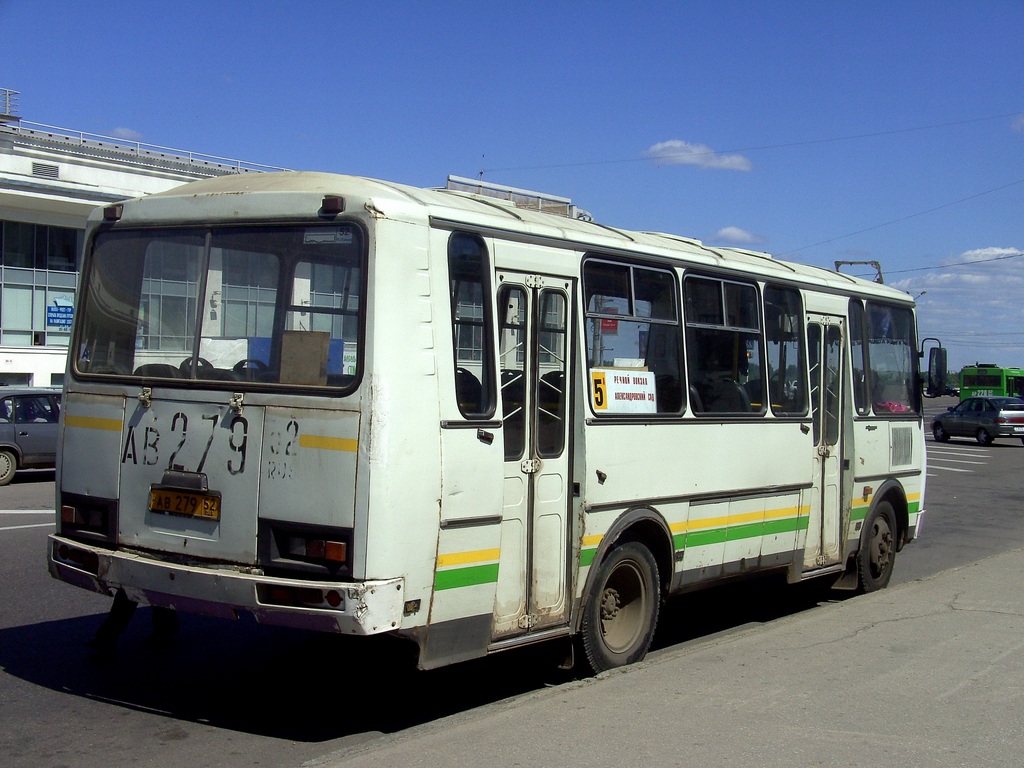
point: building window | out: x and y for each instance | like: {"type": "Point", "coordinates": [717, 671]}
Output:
{"type": "Point", "coordinates": [39, 246]}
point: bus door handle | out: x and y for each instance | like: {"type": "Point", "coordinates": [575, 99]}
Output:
{"type": "Point", "coordinates": [484, 436]}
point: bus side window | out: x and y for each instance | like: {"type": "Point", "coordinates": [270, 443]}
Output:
{"type": "Point", "coordinates": [787, 363]}
{"type": "Point", "coordinates": [468, 272]}
{"type": "Point", "coordinates": [724, 346]}
{"type": "Point", "coordinates": [633, 323]}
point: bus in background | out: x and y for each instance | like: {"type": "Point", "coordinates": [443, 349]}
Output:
{"type": "Point", "coordinates": [469, 417]}
{"type": "Point", "coordinates": [989, 380]}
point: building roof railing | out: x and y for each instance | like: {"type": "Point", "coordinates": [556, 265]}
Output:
{"type": "Point", "coordinates": [8, 105]}
{"type": "Point", "coordinates": [94, 142]}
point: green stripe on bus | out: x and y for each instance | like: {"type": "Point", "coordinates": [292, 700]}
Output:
{"type": "Point", "coordinates": [860, 513]}
{"type": "Point", "coordinates": [739, 532]}
{"type": "Point", "coordinates": [587, 557]}
{"type": "Point", "coordinates": [466, 577]}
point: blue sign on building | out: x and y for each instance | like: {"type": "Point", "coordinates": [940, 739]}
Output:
{"type": "Point", "coordinates": [59, 317]}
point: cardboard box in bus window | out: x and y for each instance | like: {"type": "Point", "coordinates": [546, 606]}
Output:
{"type": "Point", "coordinates": [304, 357]}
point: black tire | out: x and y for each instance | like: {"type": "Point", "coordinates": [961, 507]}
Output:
{"type": "Point", "coordinates": [939, 433]}
{"type": "Point", "coordinates": [983, 437]}
{"type": "Point", "coordinates": [8, 466]}
{"type": "Point", "coordinates": [621, 612]}
{"type": "Point", "coordinates": [877, 556]}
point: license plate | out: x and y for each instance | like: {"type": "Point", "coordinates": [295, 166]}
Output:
{"type": "Point", "coordinates": [175, 502]}
{"type": "Point", "coordinates": [1018, 429]}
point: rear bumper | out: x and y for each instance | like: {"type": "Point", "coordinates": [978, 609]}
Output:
{"type": "Point", "coordinates": [355, 608]}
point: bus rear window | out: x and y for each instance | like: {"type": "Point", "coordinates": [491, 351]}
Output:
{"type": "Point", "coordinates": [265, 305]}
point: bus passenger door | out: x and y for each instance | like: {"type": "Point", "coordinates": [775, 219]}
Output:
{"type": "Point", "coordinates": [534, 333]}
{"type": "Point", "coordinates": [825, 357]}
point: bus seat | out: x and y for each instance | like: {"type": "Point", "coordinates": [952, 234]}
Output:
{"type": "Point", "coordinates": [218, 374]}
{"type": "Point", "coordinates": [725, 396]}
{"type": "Point", "coordinates": [552, 393]}
{"type": "Point", "coordinates": [670, 396]}
{"type": "Point", "coordinates": [158, 371]}
{"type": "Point", "coordinates": [468, 391]}
{"type": "Point", "coordinates": [696, 404]}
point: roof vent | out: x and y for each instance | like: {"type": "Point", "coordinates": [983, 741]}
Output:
{"type": "Point", "coordinates": [46, 171]}
{"type": "Point", "coordinates": [520, 198]}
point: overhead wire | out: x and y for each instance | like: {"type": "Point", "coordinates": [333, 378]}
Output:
{"type": "Point", "coordinates": [759, 148]}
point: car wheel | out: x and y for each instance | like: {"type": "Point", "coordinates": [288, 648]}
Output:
{"type": "Point", "coordinates": [983, 436]}
{"type": "Point", "coordinates": [8, 466]}
{"type": "Point", "coordinates": [621, 610]}
{"type": "Point", "coordinates": [877, 555]}
{"type": "Point", "coordinates": [939, 433]}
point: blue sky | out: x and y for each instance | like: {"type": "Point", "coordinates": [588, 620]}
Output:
{"type": "Point", "coordinates": [816, 131]}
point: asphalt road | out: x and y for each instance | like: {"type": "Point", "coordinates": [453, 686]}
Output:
{"type": "Point", "coordinates": [235, 694]}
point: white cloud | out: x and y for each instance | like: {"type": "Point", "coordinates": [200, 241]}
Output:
{"type": "Point", "coordinates": [972, 306]}
{"type": "Point", "coordinates": [126, 133]}
{"type": "Point", "coordinates": [676, 152]}
{"type": "Point", "coordinates": [738, 236]}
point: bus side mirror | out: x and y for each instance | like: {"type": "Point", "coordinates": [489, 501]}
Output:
{"type": "Point", "coordinates": [937, 372]}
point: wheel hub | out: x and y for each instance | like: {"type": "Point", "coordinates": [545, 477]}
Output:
{"type": "Point", "coordinates": [610, 604]}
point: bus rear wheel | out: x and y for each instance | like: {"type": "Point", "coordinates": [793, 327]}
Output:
{"type": "Point", "coordinates": [621, 611]}
{"type": "Point", "coordinates": [877, 556]}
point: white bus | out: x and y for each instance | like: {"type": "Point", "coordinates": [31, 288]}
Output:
{"type": "Point", "coordinates": [361, 407]}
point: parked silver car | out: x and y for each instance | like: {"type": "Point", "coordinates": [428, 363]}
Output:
{"type": "Point", "coordinates": [983, 418]}
{"type": "Point", "coordinates": [28, 429]}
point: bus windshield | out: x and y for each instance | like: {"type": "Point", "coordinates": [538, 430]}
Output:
{"type": "Point", "coordinates": [266, 305]}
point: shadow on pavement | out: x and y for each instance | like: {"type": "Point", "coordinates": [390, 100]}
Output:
{"type": "Point", "coordinates": [309, 687]}
{"type": "Point", "coordinates": [31, 476]}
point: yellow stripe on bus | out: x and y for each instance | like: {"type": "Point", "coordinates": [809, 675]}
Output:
{"type": "Point", "coordinates": [464, 558]}
{"type": "Point", "coordinates": [746, 517]}
{"type": "Point", "coordinates": [329, 443]}
{"type": "Point", "coordinates": [92, 422]}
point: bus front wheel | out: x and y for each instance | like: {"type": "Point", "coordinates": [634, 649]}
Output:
{"type": "Point", "coordinates": [621, 611]}
{"type": "Point", "coordinates": [877, 555]}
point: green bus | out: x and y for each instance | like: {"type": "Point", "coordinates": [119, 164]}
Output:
{"type": "Point", "coordinates": [989, 380]}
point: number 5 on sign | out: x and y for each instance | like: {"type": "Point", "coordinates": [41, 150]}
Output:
{"type": "Point", "coordinates": [600, 391]}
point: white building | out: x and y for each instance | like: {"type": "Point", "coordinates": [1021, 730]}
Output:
{"type": "Point", "coordinates": [50, 180]}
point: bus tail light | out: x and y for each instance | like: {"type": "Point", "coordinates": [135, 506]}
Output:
{"type": "Point", "coordinates": [299, 597]}
{"type": "Point", "coordinates": [88, 517]}
{"type": "Point", "coordinates": [87, 561]}
{"type": "Point", "coordinates": [331, 551]}
{"type": "Point", "coordinates": [302, 548]}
